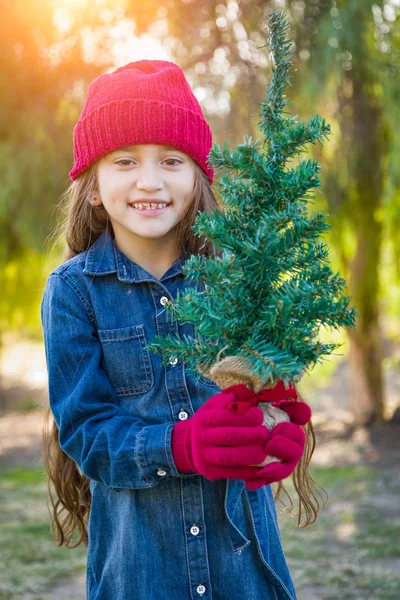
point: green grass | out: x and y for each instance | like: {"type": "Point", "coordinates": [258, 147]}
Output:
{"type": "Point", "coordinates": [352, 552]}
{"type": "Point", "coordinates": [31, 563]}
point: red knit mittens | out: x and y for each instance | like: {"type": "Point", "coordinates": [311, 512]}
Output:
{"type": "Point", "coordinates": [222, 438]}
{"type": "Point", "coordinates": [226, 435]}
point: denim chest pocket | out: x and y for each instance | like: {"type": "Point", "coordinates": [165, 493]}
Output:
{"type": "Point", "coordinates": [127, 362]}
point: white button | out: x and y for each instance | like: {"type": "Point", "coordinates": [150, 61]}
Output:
{"type": "Point", "coordinates": [200, 589]}
{"type": "Point", "coordinates": [164, 300]}
{"type": "Point", "coordinates": [161, 473]}
{"type": "Point", "coordinates": [183, 415]}
{"type": "Point", "coordinates": [194, 530]}
{"type": "Point", "coordinates": [173, 360]}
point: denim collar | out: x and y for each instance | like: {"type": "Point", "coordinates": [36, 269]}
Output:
{"type": "Point", "coordinates": [104, 257]}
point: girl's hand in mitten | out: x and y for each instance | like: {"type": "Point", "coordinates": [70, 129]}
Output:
{"type": "Point", "coordinates": [287, 442]}
{"type": "Point", "coordinates": [221, 443]}
{"type": "Point", "coordinates": [299, 412]}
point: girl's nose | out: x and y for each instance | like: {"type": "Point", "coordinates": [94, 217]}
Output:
{"type": "Point", "coordinates": [148, 178]}
{"type": "Point", "coordinates": [148, 187]}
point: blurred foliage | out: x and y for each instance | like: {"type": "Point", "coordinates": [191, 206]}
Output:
{"type": "Point", "coordinates": [54, 49]}
{"type": "Point", "coordinates": [345, 49]}
{"type": "Point", "coordinates": [42, 82]}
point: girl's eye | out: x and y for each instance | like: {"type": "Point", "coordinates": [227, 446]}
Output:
{"type": "Point", "coordinates": [123, 162]}
{"type": "Point", "coordinates": [173, 160]}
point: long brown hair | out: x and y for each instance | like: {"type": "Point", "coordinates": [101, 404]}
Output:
{"type": "Point", "coordinates": [81, 225]}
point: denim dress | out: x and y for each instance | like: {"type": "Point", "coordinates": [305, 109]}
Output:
{"type": "Point", "coordinates": [154, 533]}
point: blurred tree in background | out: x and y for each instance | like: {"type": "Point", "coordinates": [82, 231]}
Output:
{"type": "Point", "coordinates": [347, 60]}
{"type": "Point", "coordinates": [352, 59]}
{"type": "Point", "coordinates": [44, 74]}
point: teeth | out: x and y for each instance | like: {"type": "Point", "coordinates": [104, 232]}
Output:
{"type": "Point", "coordinates": [148, 206]}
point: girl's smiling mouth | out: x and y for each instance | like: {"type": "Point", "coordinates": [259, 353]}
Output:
{"type": "Point", "coordinates": [149, 209]}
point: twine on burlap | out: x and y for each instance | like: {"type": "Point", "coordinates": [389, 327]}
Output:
{"type": "Point", "coordinates": [233, 370]}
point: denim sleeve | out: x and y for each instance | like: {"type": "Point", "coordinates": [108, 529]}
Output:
{"type": "Point", "coordinates": [107, 444]}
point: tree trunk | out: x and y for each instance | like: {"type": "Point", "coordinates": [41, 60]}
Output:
{"type": "Point", "coordinates": [367, 155]}
{"type": "Point", "coordinates": [366, 398]}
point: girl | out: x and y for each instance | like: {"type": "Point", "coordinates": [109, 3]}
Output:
{"type": "Point", "coordinates": [152, 461]}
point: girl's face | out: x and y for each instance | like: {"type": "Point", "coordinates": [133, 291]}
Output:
{"type": "Point", "coordinates": [148, 173]}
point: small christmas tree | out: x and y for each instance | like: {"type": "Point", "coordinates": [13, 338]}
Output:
{"type": "Point", "coordinates": [268, 288]}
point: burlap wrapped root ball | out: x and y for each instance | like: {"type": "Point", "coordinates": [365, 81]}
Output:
{"type": "Point", "coordinates": [233, 370]}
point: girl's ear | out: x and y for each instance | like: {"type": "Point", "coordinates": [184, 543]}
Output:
{"type": "Point", "coordinates": [95, 201]}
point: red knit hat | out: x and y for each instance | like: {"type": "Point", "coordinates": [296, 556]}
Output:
{"type": "Point", "coordinates": [143, 102]}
